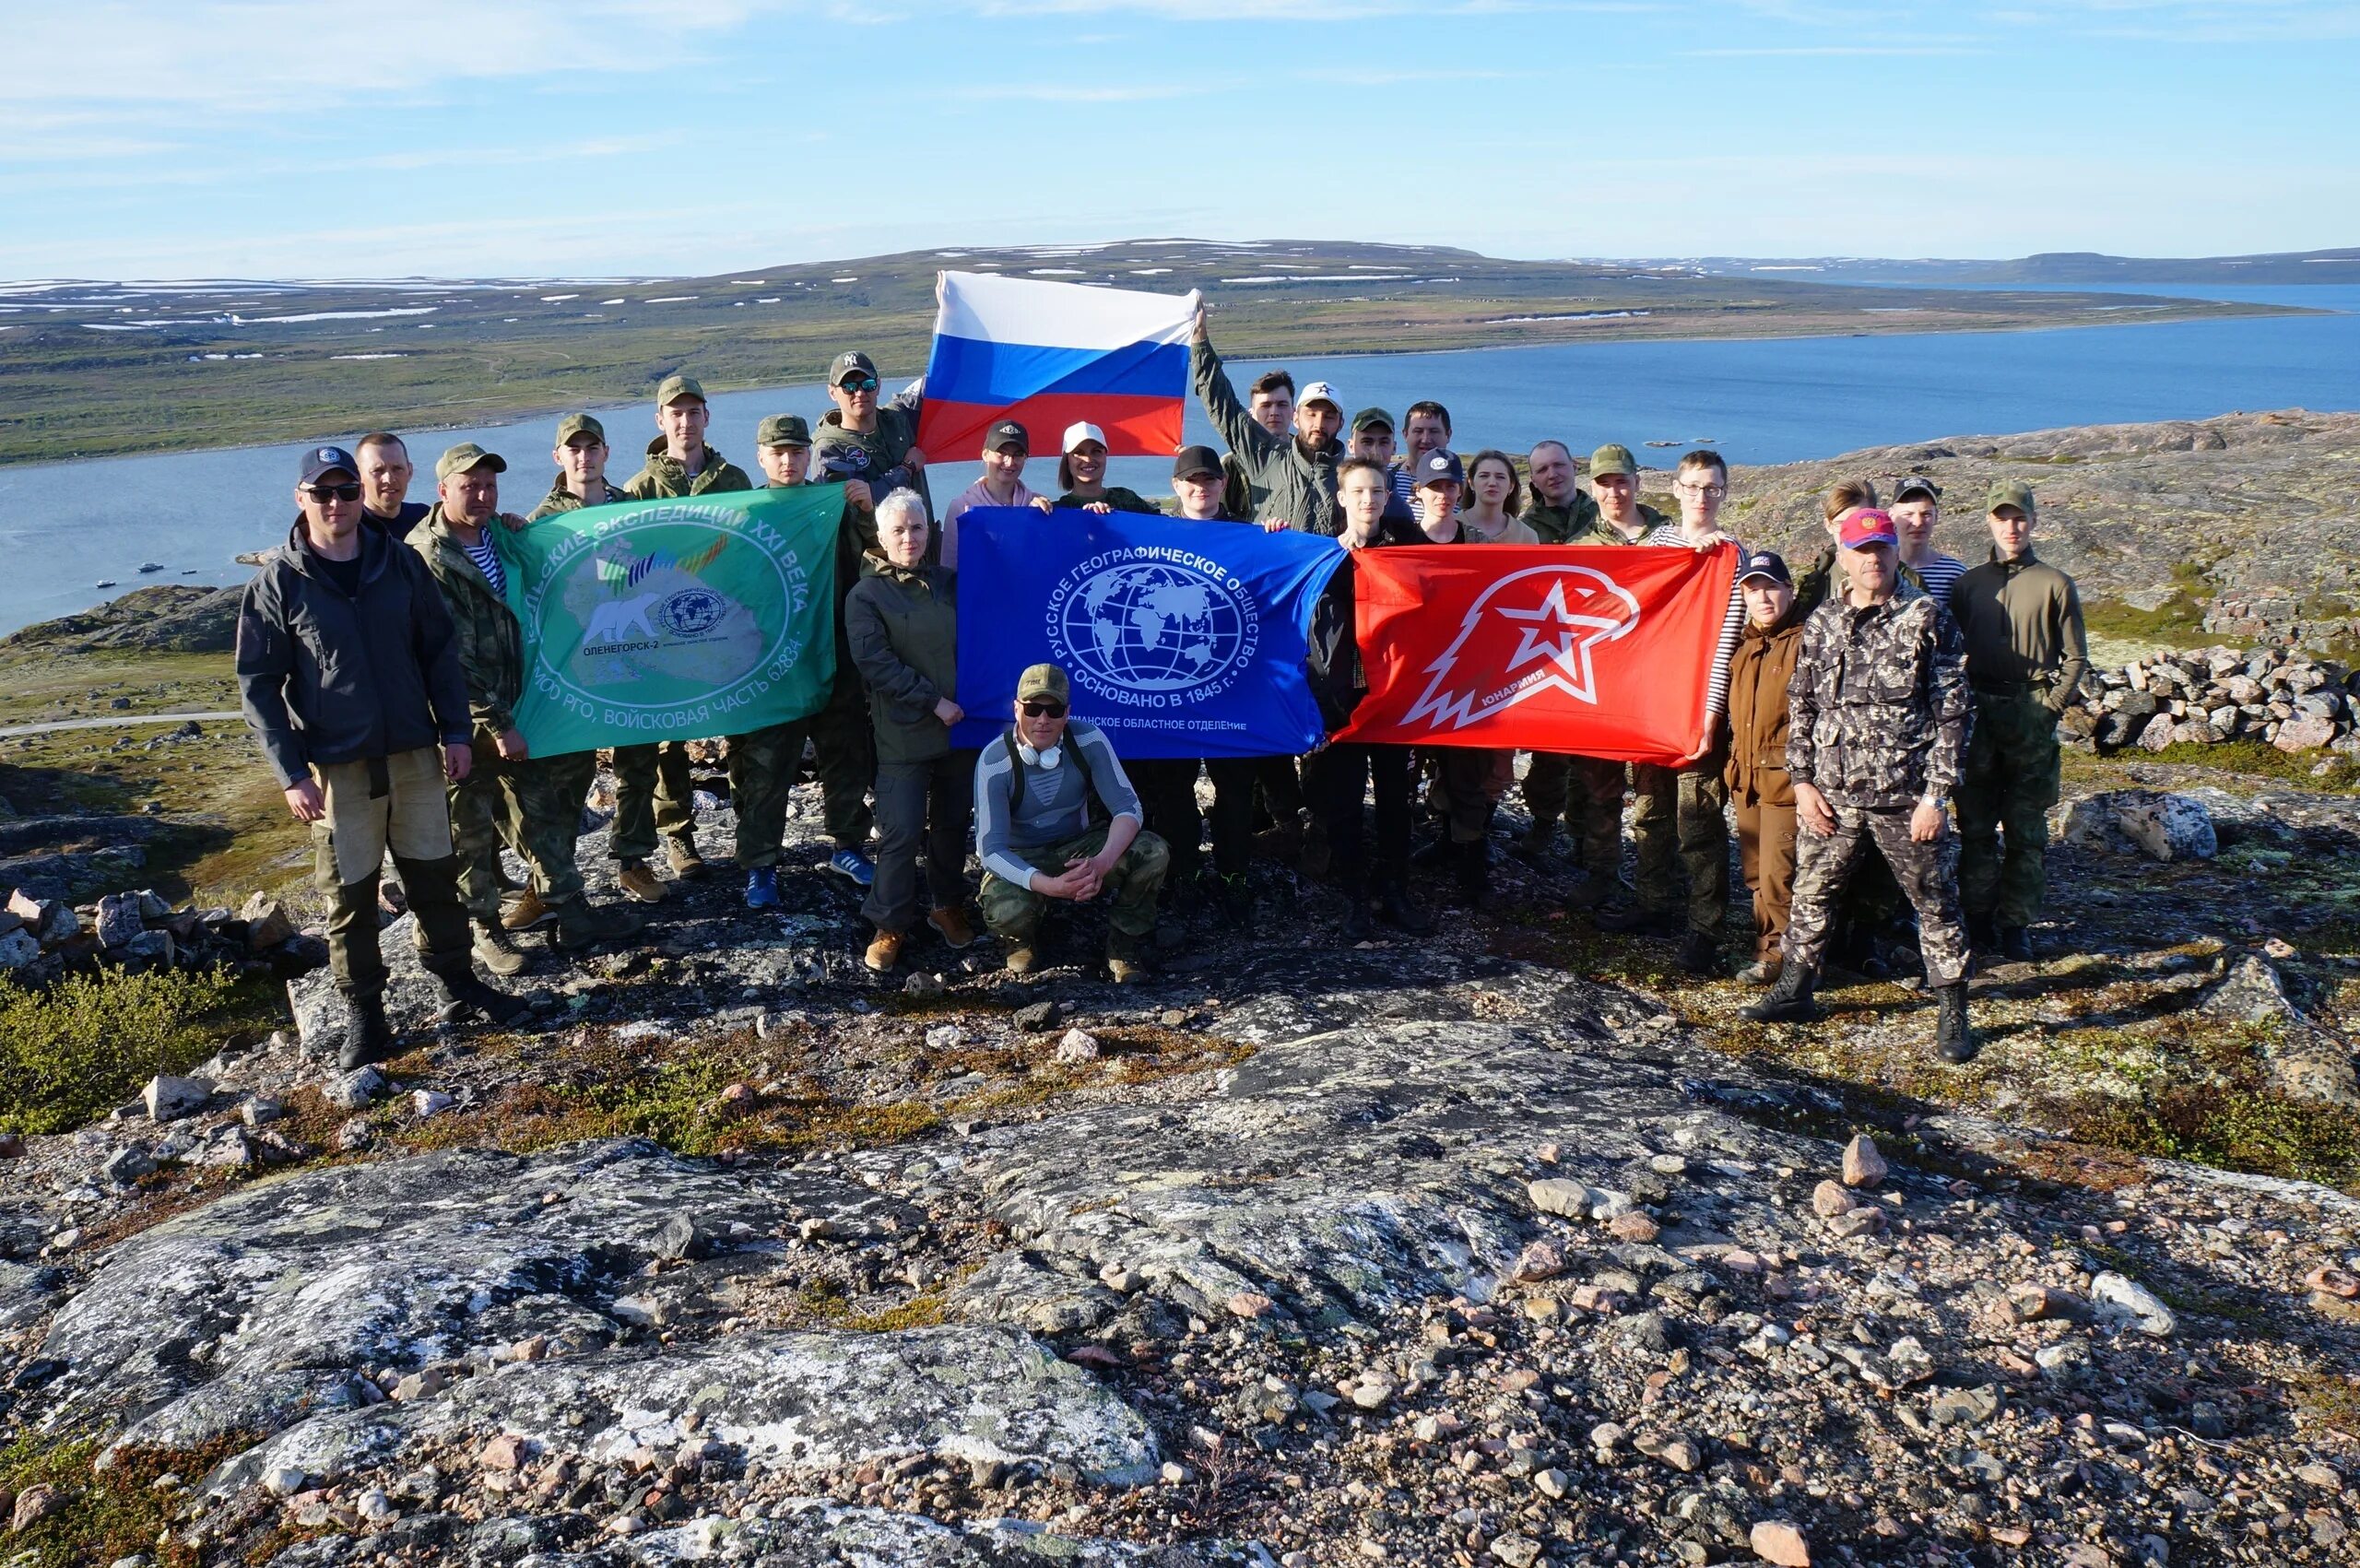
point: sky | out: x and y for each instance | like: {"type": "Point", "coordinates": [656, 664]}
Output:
{"type": "Point", "coordinates": [315, 138]}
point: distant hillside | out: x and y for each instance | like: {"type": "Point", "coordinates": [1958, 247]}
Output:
{"type": "Point", "coordinates": [94, 368]}
{"type": "Point", "coordinates": [2055, 270]}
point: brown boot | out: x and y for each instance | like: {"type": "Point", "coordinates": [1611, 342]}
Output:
{"type": "Point", "coordinates": [686, 863]}
{"type": "Point", "coordinates": [525, 910]}
{"type": "Point", "coordinates": [496, 952]}
{"type": "Point", "coordinates": [950, 923]}
{"type": "Point", "coordinates": [636, 879]}
{"type": "Point", "coordinates": [884, 952]}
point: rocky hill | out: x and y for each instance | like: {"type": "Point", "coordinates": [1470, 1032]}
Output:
{"type": "Point", "coordinates": [2251, 521]}
{"type": "Point", "coordinates": [1499, 1247]}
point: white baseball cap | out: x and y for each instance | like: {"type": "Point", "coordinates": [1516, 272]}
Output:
{"type": "Point", "coordinates": [1081, 430]}
{"type": "Point", "coordinates": [1320, 391]}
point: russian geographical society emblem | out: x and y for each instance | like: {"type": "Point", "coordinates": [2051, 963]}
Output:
{"type": "Point", "coordinates": [1153, 627]}
{"type": "Point", "coordinates": [671, 617]}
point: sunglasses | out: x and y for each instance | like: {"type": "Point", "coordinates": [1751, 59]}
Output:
{"type": "Point", "coordinates": [332, 492]}
{"type": "Point", "coordinates": [1045, 709]}
{"type": "Point", "coordinates": [857, 383]}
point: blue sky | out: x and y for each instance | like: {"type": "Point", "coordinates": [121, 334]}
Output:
{"type": "Point", "coordinates": [597, 138]}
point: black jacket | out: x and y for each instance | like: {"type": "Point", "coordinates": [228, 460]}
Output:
{"type": "Point", "coordinates": [324, 677]}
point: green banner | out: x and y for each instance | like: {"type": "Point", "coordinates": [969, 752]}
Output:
{"type": "Point", "coordinates": [675, 619]}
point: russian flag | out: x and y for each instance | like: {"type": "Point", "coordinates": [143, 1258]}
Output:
{"type": "Point", "coordinates": [1050, 354]}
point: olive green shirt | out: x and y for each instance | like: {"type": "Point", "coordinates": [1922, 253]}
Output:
{"type": "Point", "coordinates": [1599, 531]}
{"type": "Point", "coordinates": [2021, 619]}
{"type": "Point", "coordinates": [666, 476]}
{"type": "Point", "coordinates": [1562, 525]}
{"type": "Point", "coordinates": [561, 499]}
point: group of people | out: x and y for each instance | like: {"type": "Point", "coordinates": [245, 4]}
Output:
{"type": "Point", "coordinates": [1857, 702]}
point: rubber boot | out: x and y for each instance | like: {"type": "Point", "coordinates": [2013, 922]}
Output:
{"type": "Point", "coordinates": [455, 978]}
{"type": "Point", "coordinates": [1788, 1001]}
{"type": "Point", "coordinates": [1953, 1038]}
{"type": "Point", "coordinates": [368, 1036]}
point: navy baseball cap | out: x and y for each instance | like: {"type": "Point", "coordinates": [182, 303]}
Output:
{"type": "Point", "coordinates": [328, 460]}
{"type": "Point", "coordinates": [1765, 564]}
{"type": "Point", "coordinates": [1440, 466]}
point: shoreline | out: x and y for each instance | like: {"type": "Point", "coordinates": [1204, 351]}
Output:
{"type": "Point", "coordinates": [1805, 326]}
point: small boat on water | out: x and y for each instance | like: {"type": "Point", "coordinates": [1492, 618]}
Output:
{"type": "Point", "coordinates": [147, 566]}
{"type": "Point", "coordinates": [103, 582]}
{"type": "Point", "coordinates": [1667, 444]}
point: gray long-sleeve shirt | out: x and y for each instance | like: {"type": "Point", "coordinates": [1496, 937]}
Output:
{"type": "Point", "coordinates": [1056, 800]}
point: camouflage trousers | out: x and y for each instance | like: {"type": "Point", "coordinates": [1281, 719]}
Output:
{"type": "Point", "coordinates": [533, 807]}
{"type": "Point", "coordinates": [1469, 779]}
{"type": "Point", "coordinates": [843, 750]}
{"type": "Point", "coordinates": [1680, 815]}
{"type": "Point", "coordinates": [762, 764]}
{"type": "Point", "coordinates": [1928, 873]}
{"type": "Point", "coordinates": [653, 796]}
{"type": "Point", "coordinates": [1138, 877]}
{"type": "Point", "coordinates": [1587, 793]}
{"type": "Point", "coordinates": [2009, 782]}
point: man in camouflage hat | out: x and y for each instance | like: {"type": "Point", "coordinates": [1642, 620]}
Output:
{"type": "Point", "coordinates": [534, 807]}
{"type": "Point", "coordinates": [654, 795]}
{"type": "Point", "coordinates": [1586, 791]}
{"type": "Point", "coordinates": [2026, 653]}
{"type": "Point", "coordinates": [1877, 713]}
{"type": "Point", "coordinates": [783, 446]}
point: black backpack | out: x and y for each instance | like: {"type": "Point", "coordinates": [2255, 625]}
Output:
{"type": "Point", "coordinates": [1094, 808]}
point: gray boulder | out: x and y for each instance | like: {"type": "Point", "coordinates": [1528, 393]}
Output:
{"type": "Point", "coordinates": [2147, 822]}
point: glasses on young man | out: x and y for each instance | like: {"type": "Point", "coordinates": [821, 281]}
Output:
{"type": "Point", "coordinates": [1715, 491]}
{"type": "Point", "coordinates": [1044, 710]}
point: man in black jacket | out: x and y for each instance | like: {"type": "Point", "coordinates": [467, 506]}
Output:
{"type": "Point", "coordinates": [350, 676]}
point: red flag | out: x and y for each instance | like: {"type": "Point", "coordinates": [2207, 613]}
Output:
{"type": "Point", "coordinates": [1598, 650]}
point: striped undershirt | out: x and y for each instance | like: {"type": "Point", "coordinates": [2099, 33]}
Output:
{"type": "Point", "coordinates": [487, 562]}
{"type": "Point", "coordinates": [1717, 695]}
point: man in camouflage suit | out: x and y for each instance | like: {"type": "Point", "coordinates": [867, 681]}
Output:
{"type": "Point", "coordinates": [654, 795]}
{"type": "Point", "coordinates": [534, 804]}
{"type": "Point", "coordinates": [1878, 718]}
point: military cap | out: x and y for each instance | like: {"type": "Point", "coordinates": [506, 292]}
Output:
{"type": "Point", "coordinates": [578, 425]}
{"type": "Point", "coordinates": [2011, 493]}
{"type": "Point", "coordinates": [1614, 458]}
{"type": "Point", "coordinates": [1043, 681]}
{"type": "Point", "coordinates": [465, 457]}
{"type": "Point", "coordinates": [677, 386]}
{"type": "Point", "coordinates": [1372, 419]}
{"type": "Point", "coordinates": [783, 429]}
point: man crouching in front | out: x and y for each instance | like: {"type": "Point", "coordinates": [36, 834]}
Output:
{"type": "Point", "coordinates": [1055, 818]}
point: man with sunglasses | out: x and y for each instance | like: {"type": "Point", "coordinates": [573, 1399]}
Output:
{"type": "Point", "coordinates": [1057, 818]}
{"type": "Point", "coordinates": [349, 675]}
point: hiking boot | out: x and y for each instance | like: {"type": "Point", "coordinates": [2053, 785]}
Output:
{"type": "Point", "coordinates": [368, 1037]}
{"type": "Point", "coordinates": [1953, 1038]}
{"type": "Point", "coordinates": [492, 949]}
{"type": "Point", "coordinates": [1359, 921]}
{"type": "Point", "coordinates": [1125, 964]}
{"type": "Point", "coordinates": [852, 864]}
{"type": "Point", "coordinates": [1399, 910]}
{"type": "Point", "coordinates": [638, 880]}
{"type": "Point", "coordinates": [1636, 920]}
{"type": "Point", "coordinates": [581, 923]}
{"type": "Point", "coordinates": [949, 923]}
{"type": "Point", "coordinates": [1788, 1001]}
{"type": "Point", "coordinates": [681, 856]}
{"type": "Point", "coordinates": [761, 888]}
{"type": "Point", "coordinates": [1761, 972]}
{"type": "Point", "coordinates": [525, 910]}
{"type": "Point", "coordinates": [1699, 954]}
{"type": "Point", "coordinates": [460, 989]}
{"type": "Point", "coordinates": [884, 952]}
{"type": "Point", "coordinates": [2015, 944]}
{"type": "Point", "coordinates": [1024, 955]}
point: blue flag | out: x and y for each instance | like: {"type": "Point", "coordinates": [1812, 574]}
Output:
{"type": "Point", "coordinates": [1180, 639]}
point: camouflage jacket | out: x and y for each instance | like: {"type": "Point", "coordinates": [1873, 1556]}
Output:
{"type": "Point", "coordinates": [1877, 710]}
{"type": "Point", "coordinates": [1562, 525]}
{"type": "Point", "coordinates": [664, 475]}
{"type": "Point", "coordinates": [491, 643]}
{"type": "Point", "coordinates": [1596, 530]}
{"type": "Point", "coordinates": [561, 500]}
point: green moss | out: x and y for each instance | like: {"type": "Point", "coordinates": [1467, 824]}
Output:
{"type": "Point", "coordinates": [2261, 759]}
{"type": "Point", "coordinates": [2178, 622]}
{"type": "Point", "coordinates": [110, 1513]}
{"type": "Point", "coordinates": [73, 1052]}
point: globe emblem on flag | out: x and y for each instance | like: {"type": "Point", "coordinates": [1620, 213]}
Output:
{"type": "Point", "coordinates": [692, 612]}
{"type": "Point", "coordinates": [1146, 628]}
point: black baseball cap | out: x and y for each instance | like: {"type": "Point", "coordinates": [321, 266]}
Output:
{"type": "Point", "coordinates": [1007, 432]}
{"type": "Point", "coordinates": [1193, 461]}
{"type": "Point", "coordinates": [1440, 466]}
{"type": "Point", "coordinates": [851, 359]}
{"type": "Point", "coordinates": [1765, 564]}
{"type": "Point", "coordinates": [1917, 484]}
{"type": "Point", "coordinates": [322, 460]}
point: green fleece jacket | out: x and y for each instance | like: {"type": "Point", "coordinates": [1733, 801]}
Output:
{"type": "Point", "coordinates": [667, 476]}
{"type": "Point", "coordinates": [491, 643]}
{"type": "Point", "coordinates": [1562, 525]}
